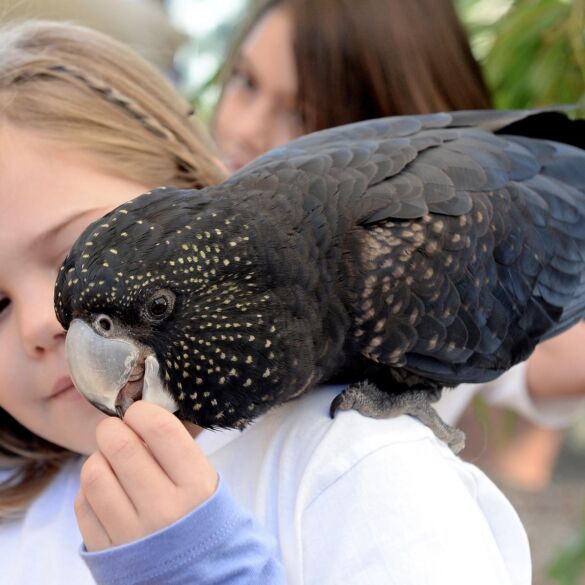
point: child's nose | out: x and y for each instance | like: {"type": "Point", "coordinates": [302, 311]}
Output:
{"type": "Point", "coordinates": [37, 324]}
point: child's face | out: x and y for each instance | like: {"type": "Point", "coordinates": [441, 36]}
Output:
{"type": "Point", "coordinates": [49, 193]}
{"type": "Point", "coordinates": [258, 110]}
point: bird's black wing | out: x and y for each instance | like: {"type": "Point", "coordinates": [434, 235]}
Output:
{"type": "Point", "coordinates": [463, 249]}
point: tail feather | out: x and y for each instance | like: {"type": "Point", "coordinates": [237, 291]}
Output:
{"type": "Point", "coordinates": [554, 126]}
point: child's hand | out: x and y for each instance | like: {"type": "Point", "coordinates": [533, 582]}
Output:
{"type": "Point", "coordinates": [147, 473]}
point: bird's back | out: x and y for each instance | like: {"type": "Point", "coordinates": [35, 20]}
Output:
{"type": "Point", "coordinates": [458, 239]}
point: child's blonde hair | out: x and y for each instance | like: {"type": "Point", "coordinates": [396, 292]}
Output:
{"type": "Point", "coordinates": [81, 87]}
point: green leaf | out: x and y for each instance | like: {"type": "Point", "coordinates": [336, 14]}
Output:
{"type": "Point", "coordinates": [569, 566]}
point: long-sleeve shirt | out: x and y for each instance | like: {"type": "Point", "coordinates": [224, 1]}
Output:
{"type": "Point", "coordinates": [218, 543]}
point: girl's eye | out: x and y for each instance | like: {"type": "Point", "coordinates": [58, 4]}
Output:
{"type": "Point", "coordinates": [4, 304]}
{"type": "Point", "coordinates": [242, 77]}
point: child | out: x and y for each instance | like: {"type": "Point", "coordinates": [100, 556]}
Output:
{"type": "Point", "coordinates": [84, 126]}
{"type": "Point", "coordinates": [349, 500]}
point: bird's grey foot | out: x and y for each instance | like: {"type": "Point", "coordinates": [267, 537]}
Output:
{"type": "Point", "coordinates": [370, 401]}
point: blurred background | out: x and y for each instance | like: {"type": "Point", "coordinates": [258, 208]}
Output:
{"type": "Point", "coordinates": [533, 54]}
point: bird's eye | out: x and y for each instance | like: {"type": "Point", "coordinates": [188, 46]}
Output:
{"type": "Point", "coordinates": [160, 305]}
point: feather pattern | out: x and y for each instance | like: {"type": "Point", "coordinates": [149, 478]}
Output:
{"type": "Point", "coordinates": [416, 251]}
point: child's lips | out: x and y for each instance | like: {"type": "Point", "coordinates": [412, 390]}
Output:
{"type": "Point", "coordinates": [62, 385]}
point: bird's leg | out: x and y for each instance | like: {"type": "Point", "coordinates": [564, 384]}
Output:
{"type": "Point", "coordinates": [370, 401]}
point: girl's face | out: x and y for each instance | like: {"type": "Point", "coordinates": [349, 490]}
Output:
{"type": "Point", "coordinates": [258, 110]}
{"type": "Point", "coordinates": [49, 192]}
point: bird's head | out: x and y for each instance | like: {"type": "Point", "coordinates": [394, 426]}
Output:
{"type": "Point", "coordinates": [179, 299]}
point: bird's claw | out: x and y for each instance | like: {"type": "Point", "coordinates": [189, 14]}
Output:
{"type": "Point", "coordinates": [367, 399]}
{"type": "Point", "coordinates": [340, 402]}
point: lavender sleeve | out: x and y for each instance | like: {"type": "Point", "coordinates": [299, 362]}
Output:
{"type": "Point", "coordinates": [217, 543]}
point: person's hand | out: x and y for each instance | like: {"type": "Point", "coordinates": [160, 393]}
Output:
{"type": "Point", "coordinates": [148, 472]}
{"type": "Point", "coordinates": [557, 367]}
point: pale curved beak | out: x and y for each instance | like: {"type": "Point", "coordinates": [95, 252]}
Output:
{"type": "Point", "coordinates": [101, 369]}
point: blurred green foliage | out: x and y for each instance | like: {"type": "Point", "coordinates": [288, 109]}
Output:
{"type": "Point", "coordinates": [536, 51]}
{"type": "Point", "coordinates": [568, 568]}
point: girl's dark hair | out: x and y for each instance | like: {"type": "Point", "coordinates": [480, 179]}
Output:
{"type": "Point", "coordinates": [374, 58]}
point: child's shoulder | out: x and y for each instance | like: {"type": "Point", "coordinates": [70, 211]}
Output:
{"type": "Point", "coordinates": [307, 422]}
{"type": "Point", "coordinates": [302, 440]}
{"type": "Point", "coordinates": [376, 488]}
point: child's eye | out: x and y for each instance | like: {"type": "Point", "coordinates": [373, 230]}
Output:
{"type": "Point", "coordinates": [4, 302]}
{"type": "Point", "coordinates": [245, 80]}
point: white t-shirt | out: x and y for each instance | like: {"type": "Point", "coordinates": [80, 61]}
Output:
{"type": "Point", "coordinates": [355, 500]}
{"type": "Point", "coordinates": [351, 501]}
{"type": "Point", "coordinates": [41, 548]}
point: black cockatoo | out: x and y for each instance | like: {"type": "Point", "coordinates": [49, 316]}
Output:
{"type": "Point", "coordinates": [398, 256]}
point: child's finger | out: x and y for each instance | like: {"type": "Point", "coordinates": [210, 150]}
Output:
{"type": "Point", "coordinates": [139, 474]}
{"type": "Point", "coordinates": [172, 446]}
{"type": "Point", "coordinates": [108, 500]}
{"type": "Point", "coordinates": [94, 534]}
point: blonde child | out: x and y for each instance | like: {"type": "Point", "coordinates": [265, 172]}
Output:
{"type": "Point", "coordinates": [85, 125]}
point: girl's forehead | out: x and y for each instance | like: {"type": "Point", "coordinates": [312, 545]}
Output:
{"type": "Point", "coordinates": [43, 182]}
{"type": "Point", "coordinates": [269, 50]}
